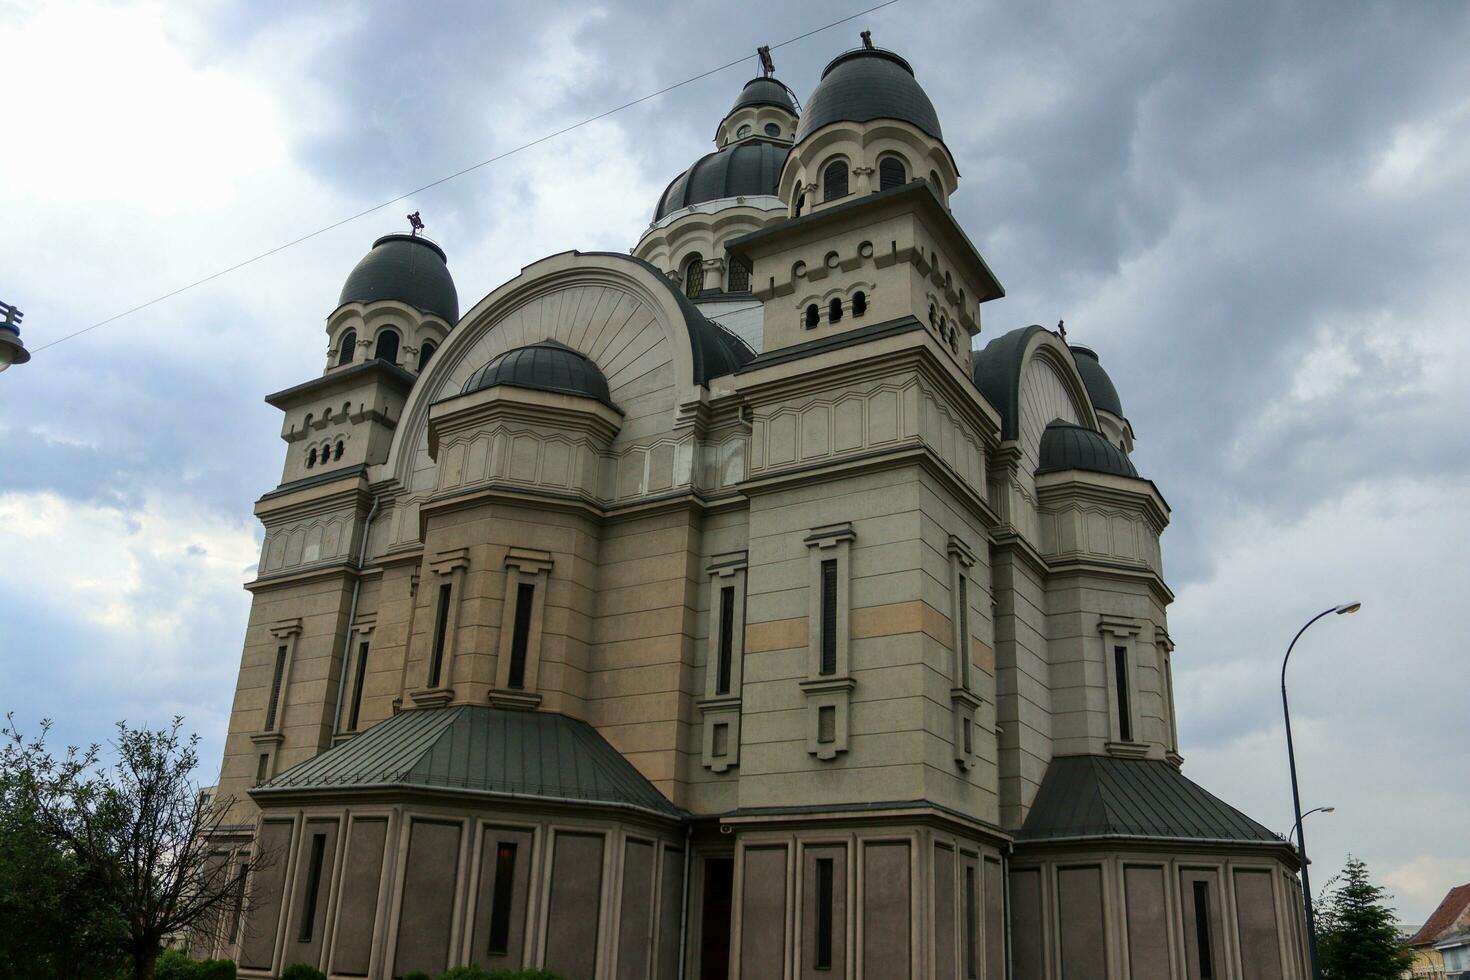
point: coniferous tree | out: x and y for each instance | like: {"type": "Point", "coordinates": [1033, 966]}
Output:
{"type": "Point", "coordinates": [1357, 931]}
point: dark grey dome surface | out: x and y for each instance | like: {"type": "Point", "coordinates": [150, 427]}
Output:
{"type": "Point", "coordinates": [1099, 386]}
{"type": "Point", "coordinates": [544, 366]}
{"type": "Point", "coordinates": [997, 372]}
{"type": "Point", "coordinates": [408, 269]}
{"type": "Point", "coordinates": [868, 84]}
{"type": "Point", "coordinates": [764, 91]}
{"type": "Point", "coordinates": [1065, 446]}
{"type": "Point", "coordinates": [750, 167]}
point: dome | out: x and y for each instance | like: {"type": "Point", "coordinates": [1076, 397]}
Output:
{"type": "Point", "coordinates": [1065, 446]}
{"type": "Point", "coordinates": [1099, 386]}
{"type": "Point", "coordinates": [547, 366]}
{"type": "Point", "coordinates": [748, 168]}
{"type": "Point", "coordinates": [866, 84]}
{"type": "Point", "coordinates": [765, 91]}
{"type": "Point", "coordinates": [408, 269]}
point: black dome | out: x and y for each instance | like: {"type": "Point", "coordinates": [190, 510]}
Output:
{"type": "Point", "coordinates": [1065, 446]}
{"type": "Point", "coordinates": [547, 366]}
{"type": "Point", "coordinates": [408, 269]}
{"type": "Point", "coordinates": [868, 84]}
{"type": "Point", "coordinates": [1099, 386]}
{"type": "Point", "coordinates": [748, 168]}
{"type": "Point", "coordinates": [764, 91]}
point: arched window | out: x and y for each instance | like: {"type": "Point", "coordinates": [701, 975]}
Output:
{"type": "Point", "coordinates": [739, 277]}
{"type": "Point", "coordinates": [426, 352]}
{"type": "Point", "coordinates": [834, 180]}
{"type": "Point", "coordinates": [938, 187]}
{"type": "Point", "coordinates": [311, 458]}
{"type": "Point", "coordinates": [337, 453]}
{"type": "Point", "coordinates": [800, 204]}
{"type": "Point", "coordinates": [891, 173]}
{"type": "Point", "coordinates": [859, 303]}
{"type": "Point", "coordinates": [387, 349]}
{"type": "Point", "coordinates": [694, 276]}
{"type": "Point", "coordinates": [742, 132]}
{"type": "Point", "coordinates": [348, 349]}
{"type": "Point", "coordinates": [811, 316]}
{"type": "Point", "coordinates": [932, 321]}
{"type": "Point", "coordinates": [834, 310]}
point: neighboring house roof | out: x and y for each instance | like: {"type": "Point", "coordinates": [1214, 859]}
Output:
{"type": "Point", "coordinates": [1065, 446]}
{"type": "Point", "coordinates": [544, 366]}
{"type": "Point", "coordinates": [1100, 796]}
{"type": "Point", "coordinates": [406, 268]}
{"type": "Point", "coordinates": [1454, 907]}
{"type": "Point", "coordinates": [507, 752]}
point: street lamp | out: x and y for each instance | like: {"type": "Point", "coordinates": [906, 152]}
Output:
{"type": "Point", "coordinates": [1296, 800]}
{"type": "Point", "coordinates": [1316, 809]}
{"type": "Point", "coordinates": [12, 349]}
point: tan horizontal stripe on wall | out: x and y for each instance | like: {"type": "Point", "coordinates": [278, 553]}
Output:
{"type": "Point", "coordinates": [778, 634]}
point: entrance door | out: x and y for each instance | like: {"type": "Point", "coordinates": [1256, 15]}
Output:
{"type": "Point", "coordinates": [714, 922]}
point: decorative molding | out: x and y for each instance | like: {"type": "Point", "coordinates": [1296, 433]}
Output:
{"type": "Point", "coordinates": [1128, 750]}
{"type": "Point", "coordinates": [435, 697]}
{"type": "Point", "coordinates": [532, 561]}
{"type": "Point", "coordinates": [286, 627]}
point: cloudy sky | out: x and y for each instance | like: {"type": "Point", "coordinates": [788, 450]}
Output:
{"type": "Point", "coordinates": [1255, 212]}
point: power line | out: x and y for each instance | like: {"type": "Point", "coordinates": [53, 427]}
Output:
{"type": "Point", "coordinates": [458, 173]}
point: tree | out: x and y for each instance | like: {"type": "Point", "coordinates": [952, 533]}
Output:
{"type": "Point", "coordinates": [138, 832]}
{"type": "Point", "coordinates": [1357, 931]}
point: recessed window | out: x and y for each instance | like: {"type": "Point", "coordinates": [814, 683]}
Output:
{"type": "Point", "coordinates": [387, 349]}
{"type": "Point", "coordinates": [971, 914]}
{"type": "Point", "coordinates": [313, 886]}
{"type": "Point", "coordinates": [829, 617]}
{"type": "Point", "coordinates": [1120, 670]}
{"type": "Point", "coordinates": [891, 173]}
{"type": "Point", "coordinates": [812, 316]}
{"type": "Point", "coordinates": [834, 310]}
{"type": "Point", "coordinates": [521, 638]}
{"type": "Point", "coordinates": [964, 651]}
{"type": "Point", "coordinates": [742, 132]}
{"type": "Point", "coordinates": [720, 741]}
{"type": "Point", "coordinates": [823, 958]}
{"type": "Point", "coordinates": [800, 204]}
{"type": "Point", "coordinates": [501, 897]}
{"type": "Point", "coordinates": [859, 303]}
{"type": "Point", "coordinates": [826, 724]}
{"type": "Point", "coordinates": [311, 458]}
{"type": "Point", "coordinates": [273, 705]}
{"type": "Point", "coordinates": [352, 718]}
{"type": "Point", "coordinates": [348, 348]}
{"type": "Point", "coordinates": [441, 633]}
{"type": "Point", "coordinates": [834, 180]}
{"type": "Point", "coordinates": [426, 352]}
{"type": "Point", "coordinates": [337, 452]}
{"type": "Point", "coordinates": [694, 276]}
{"type": "Point", "coordinates": [727, 639]}
{"type": "Point", "coordinates": [739, 276]}
{"type": "Point", "coordinates": [1202, 930]}
{"type": "Point", "coordinates": [262, 768]}
{"type": "Point", "coordinates": [772, 129]}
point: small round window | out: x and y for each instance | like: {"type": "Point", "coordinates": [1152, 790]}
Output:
{"type": "Point", "coordinates": [772, 129]}
{"type": "Point", "coordinates": [742, 132]}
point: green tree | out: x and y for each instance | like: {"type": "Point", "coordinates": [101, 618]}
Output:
{"type": "Point", "coordinates": [138, 833]}
{"type": "Point", "coordinates": [1357, 931]}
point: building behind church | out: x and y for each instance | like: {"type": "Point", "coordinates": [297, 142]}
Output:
{"type": "Point", "coordinates": [719, 610]}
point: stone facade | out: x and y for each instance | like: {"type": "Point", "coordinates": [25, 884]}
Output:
{"type": "Point", "coordinates": [803, 575]}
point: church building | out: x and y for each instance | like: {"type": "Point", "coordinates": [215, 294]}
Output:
{"type": "Point", "coordinates": [737, 607]}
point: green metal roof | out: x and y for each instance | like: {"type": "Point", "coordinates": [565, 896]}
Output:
{"type": "Point", "coordinates": [1100, 796]}
{"type": "Point", "coordinates": [478, 749]}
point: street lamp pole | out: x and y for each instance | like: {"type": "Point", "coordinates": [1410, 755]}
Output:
{"type": "Point", "coordinates": [1315, 809]}
{"type": "Point", "coordinates": [1296, 800]}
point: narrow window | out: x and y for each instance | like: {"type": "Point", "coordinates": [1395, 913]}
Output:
{"type": "Point", "coordinates": [387, 349]}
{"type": "Point", "coordinates": [826, 724]}
{"type": "Point", "coordinates": [313, 885]}
{"type": "Point", "coordinates": [891, 173]}
{"type": "Point", "coordinates": [812, 315]}
{"type": "Point", "coordinates": [337, 453]}
{"type": "Point", "coordinates": [720, 741]}
{"type": "Point", "coordinates": [800, 204]}
{"type": "Point", "coordinates": [262, 767]}
{"type": "Point", "coordinates": [829, 616]}
{"type": "Point", "coordinates": [348, 349]}
{"type": "Point", "coordinates": [834, 310]}
{"type": "Point", "coordinates": [739, 276]}
{"type": "Point", "coordinates": [859, 303]}
{"type": "Point", "coordinates": [932, 321]}
{"type": "Point", "coordinates": [1120, 668]}
{"type": "Point", "coordinates": [311, 458]}
{"type": "Point", "coordinates": [694, 276]}
{"type": "Point", "coordinates": [934, 182]}
{"type": "Point", "coordinates": [426, 352]}
{"type": "Point", "coordinates": [970, 910]}
{"type": "Point", "coordinates": [834, 181]}
{"type": "Point", "coordinates": [237, 903]}
{"type": "Point", "coordinates": [727, 639]}
{"type": "Point", "coordinates": [824, 914]}
{"type": "Point", "coordinates": [362, 654]}
{"type": "Point", "coordinates": [505, 879]}
{"type": "Point", "coordinates": [275, 700]}
{"type": "Point", "coordinates": [1202, 930]}
{"type": "Point", "coordinates": [969, 737]}
{"type": "Point", "coordinates": [441, 632]}
{"type": "Point", "coordinates": [964, 650]}
{"type": "Point", "coordinates": [525, 597]}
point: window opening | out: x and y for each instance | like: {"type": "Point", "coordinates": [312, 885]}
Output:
{"type": "Point", "coordinates": [349, 348]}
{"type": "Point", "coordinates": [273, 706]}
{"type": "Point", "coordinates": [362, 655]}
{"type": "Point", "coordinates": [387, 349]}
{"type": "Point", "coordinates": [337, 453]}
{"type": "Point", "coordinates": [694, 276]}
{"type": "Point", "coordinates": [727, 639]}
{"type": "Point", "coordinates": [313, 885]}
{"type": "Point", "coordinates": [834, 310]}
{"type": "Point", "coordinates": [964, 650]}
{"type": "Point", "coordinates": [505, 874]}
{"type": "Point", "coordinates": [441, 632]}
{"type": "Point", "coordinates": [525, 597]}
{"type": "Point", "coordinates": [1202, 930]}
{"type": "Point", "coordinates": [426, 352]}
{"type": "Point", "coordinates": [827, 724]}
{"type": "Point", "coordinates": [824, 915]}
{"type": "Point", "coordinates": [772, 129]}
{"type": "Point", "coordinates": [311, 458]}
{"type": "Point", "coordinates": [1120, 668]}
{"type": "Point", "coordinates": [262, 767]}
{"type": "Point", "coordinates": [970, 957]}
{"type": "Point", "coordinates": [829, 617]}
{"type": "Point", "coordinates": [739, 276]}
{"type": "Point", "coordinates": [859, 303]}
{"type": "Point", "coordinates": [834, 181]}
{"type": "Point", "coordinates": [891, 173]}
{"type": "Point", "coordinates": [812, 315]}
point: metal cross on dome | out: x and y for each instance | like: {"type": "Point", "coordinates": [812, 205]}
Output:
{"type": "Point", "coordinates": [415, 223]}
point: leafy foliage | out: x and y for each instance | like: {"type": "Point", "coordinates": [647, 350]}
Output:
{"type": "Point", "coordinates": [417, 975]}
{"type": "Point", "coordinates": [1357, 931]}
{"type": "Point", "coordinates": [304, 971]}
{"type": "Point", "coordinates": [137, 834]}
{"type": "Point", "coordinates": [175, 964]}
{"type": "Point", "coordinates": [479, 973]}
